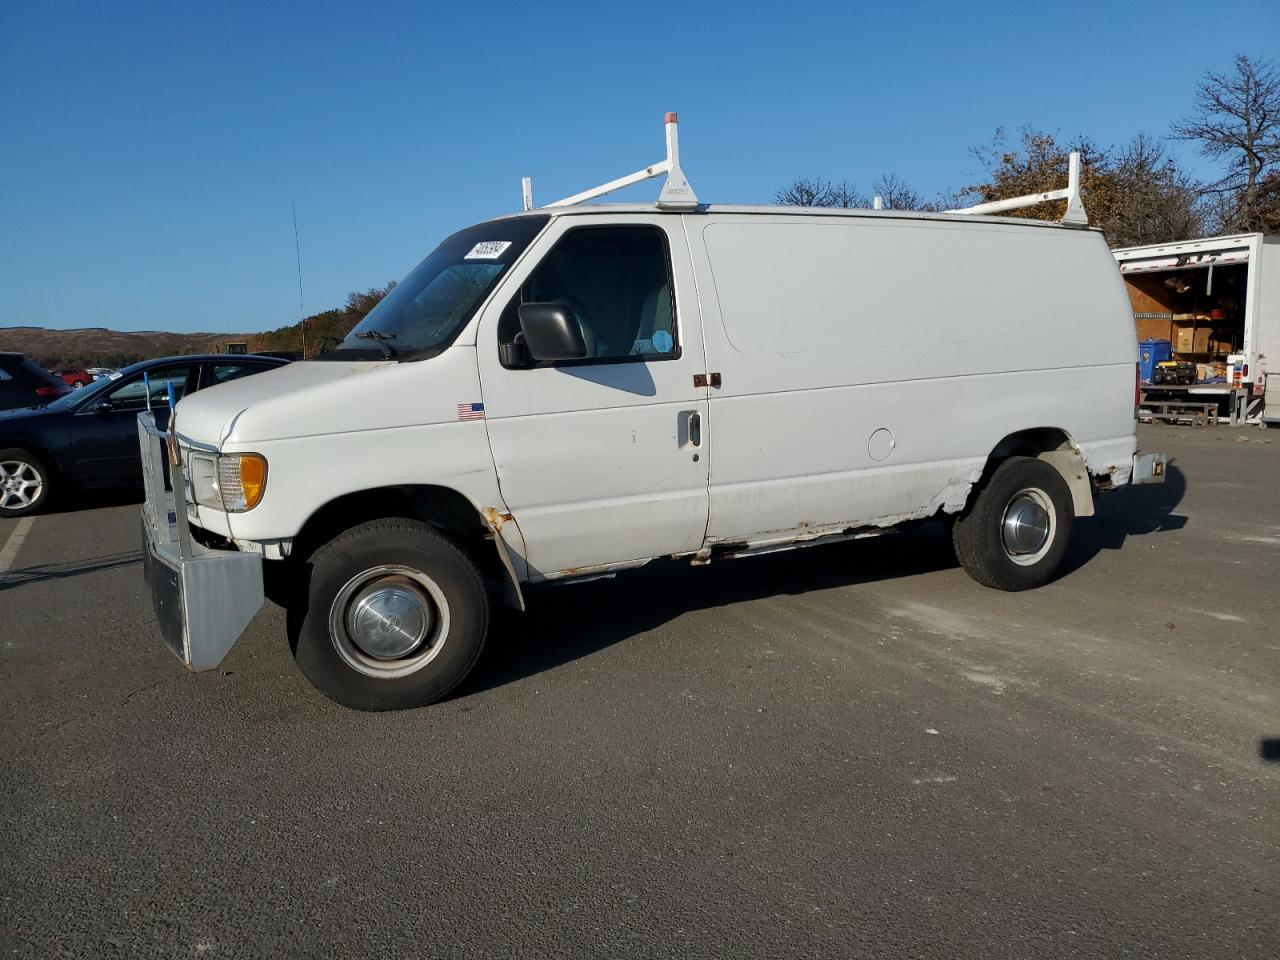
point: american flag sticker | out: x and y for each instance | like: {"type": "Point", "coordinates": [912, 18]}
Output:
{"type": "Point", "coordinates": [471, 411]}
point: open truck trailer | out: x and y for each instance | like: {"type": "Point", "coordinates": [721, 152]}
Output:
{"type": "Point", "coordinates": [1207, 314]}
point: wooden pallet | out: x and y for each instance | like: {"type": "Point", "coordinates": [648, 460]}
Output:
{"type": "Point", "coordinates": [1178, 411]}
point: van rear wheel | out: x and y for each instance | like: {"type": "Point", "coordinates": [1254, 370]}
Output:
{"type": "Point", "coordinates": [1016, 533]}
{"type": "Point", "coordinates": [395, 616]}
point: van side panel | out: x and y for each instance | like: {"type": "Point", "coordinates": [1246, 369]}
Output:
{"type": "Point", "coordinates": [870, 366]}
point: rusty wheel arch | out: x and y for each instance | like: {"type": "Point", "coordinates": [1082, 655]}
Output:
{"type": "Point", "coordinates": [1056, 447]}
{"type": "Point", "coordinates": [444, 508]}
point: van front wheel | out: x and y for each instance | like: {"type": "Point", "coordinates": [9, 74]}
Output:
{"type": "Point", "coordinates": [1016, 533]}
{"type": "Point", "coordinates": [395, 616]}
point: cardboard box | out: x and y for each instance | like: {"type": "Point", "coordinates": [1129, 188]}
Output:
{"type": "Point", "coordinates": [1189, 338]}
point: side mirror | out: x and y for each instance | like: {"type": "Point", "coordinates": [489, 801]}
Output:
{"type": "Point", "coordinates": [514, 355]}
{"type": "Point", "coordinates": [551, 332]}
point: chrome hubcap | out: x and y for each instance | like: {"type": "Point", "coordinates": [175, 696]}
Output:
{"type": "Point", "coordinates": [1027, 526]}
{"type": "Point", "coordinates": [20, 484]}
{"type": "Point", "coordinates": [389, 621]}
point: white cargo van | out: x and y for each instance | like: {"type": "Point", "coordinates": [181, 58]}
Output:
{"type": "Point", "coordinates": [579, 389]}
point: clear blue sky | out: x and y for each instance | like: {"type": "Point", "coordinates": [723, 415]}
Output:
{"type": "Point", "coordinates": [149, 153]}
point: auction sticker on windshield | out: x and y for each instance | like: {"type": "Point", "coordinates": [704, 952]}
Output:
{"type": "Point", "coordinates": [488, 250]}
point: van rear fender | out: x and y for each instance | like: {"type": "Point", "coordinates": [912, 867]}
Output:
{"type": "Point", "coordinates": [1055, 447]}
{"type": "Point", "coordinates": [475, 530]}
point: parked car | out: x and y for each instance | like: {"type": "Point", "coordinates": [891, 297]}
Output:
{"type": "Point", "coordinates": [26, 384]}
{"type": "Point", "coordinates": [89, 437]}
{"type": "Point", "coordinates": [75, 377]}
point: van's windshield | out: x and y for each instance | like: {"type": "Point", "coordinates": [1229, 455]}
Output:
{"type": "Point", "coordinates": [425, 311]}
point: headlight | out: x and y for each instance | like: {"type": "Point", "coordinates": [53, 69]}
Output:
{"type": "Point", "coordinates": [233, 482]}
{"type": "Point", "coordinates": [242, 479]}
{"type": "Point", "coordinates": [203, 473]}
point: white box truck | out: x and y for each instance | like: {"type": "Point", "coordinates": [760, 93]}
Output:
{"type": "Point", "coordinates": [1216, 301]}
{"type": "Point", "coordinates": [579, 389]}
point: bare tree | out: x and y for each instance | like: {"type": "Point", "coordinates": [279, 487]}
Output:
{"type": "Point", "coordinates": [895, 194]}
{"type": "Point", "coordinates": [898, 195]}
{"type": "Point", "coordinates": [1152, 200]}
{"type": "Point", "coordinates": [819, 192]}
{"type": "Point", "coordinates": [803, 192]}
{"type": "Point", "coordinates": [1236, 119]}
{"type": "Point", "coordinates": [845, 195]}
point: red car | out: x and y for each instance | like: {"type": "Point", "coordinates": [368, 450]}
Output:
{"type": "Point", "coordinates": [75, 377]}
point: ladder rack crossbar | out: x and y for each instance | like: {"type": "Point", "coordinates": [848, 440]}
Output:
{"type": "Point", "coordinates": [653, 170]}
{"type": "Point", "coordinates": [1075, 214]}
{"type": "Point", "coordinates": [676, 193]}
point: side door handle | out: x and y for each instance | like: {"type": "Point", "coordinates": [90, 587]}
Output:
{"type": "Point", "coordinates": [692, 429]}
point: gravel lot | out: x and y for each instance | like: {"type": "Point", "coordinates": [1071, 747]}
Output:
{"type": "Point", "coordinates": [848, 751]}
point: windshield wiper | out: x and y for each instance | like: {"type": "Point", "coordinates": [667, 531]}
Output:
{"type": "Point", "coordinates": [383, 341]}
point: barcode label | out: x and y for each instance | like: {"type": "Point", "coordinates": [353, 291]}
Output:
{"type": "Point", "coordinates": [488, 250]}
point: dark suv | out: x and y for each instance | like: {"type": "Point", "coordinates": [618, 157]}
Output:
{"type": "Point", "coordinates": [25, 384]}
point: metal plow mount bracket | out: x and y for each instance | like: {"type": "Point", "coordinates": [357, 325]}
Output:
{"type": "Point", "coordinates": [203, 598]}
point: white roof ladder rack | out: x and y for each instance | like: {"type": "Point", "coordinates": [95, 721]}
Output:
{"type": "Point", "coordinates": [1075, 214]}
{"type": "Point", "coordinates": [676, 193]}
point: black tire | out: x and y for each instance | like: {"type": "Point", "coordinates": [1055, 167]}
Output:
{"type": "Point", "coordinates": [423, 562]}
{"type": "Point", "coordinates": [22, 467]}
{"type": "Point", "coordinates": [1019, 484]}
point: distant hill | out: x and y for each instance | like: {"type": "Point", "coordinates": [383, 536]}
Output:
{"type": "Point", "coordinates": [100, 347]}
{"type": "Point", "coordinates": [331, 325]}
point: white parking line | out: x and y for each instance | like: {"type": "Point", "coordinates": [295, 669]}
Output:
{"type": "Point", "coordinates": [10, 549]}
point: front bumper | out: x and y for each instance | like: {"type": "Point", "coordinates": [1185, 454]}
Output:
{"type": "Point", "coordinates": [203, 598]}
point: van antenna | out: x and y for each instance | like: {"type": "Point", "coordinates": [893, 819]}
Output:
{"type": "Point", "coordinates": [676, 193]}
{"type": "Point", "coordinates": [1075, 215]}
{"type": "Point", "coordinates": [297, 249]}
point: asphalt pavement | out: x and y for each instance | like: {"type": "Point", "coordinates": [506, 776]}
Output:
{"type": "Point", "coordinates": [848, 751]}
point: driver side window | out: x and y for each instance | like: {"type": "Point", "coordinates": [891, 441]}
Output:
{"type": "Point", "coordinates": [616, 281]}
{"type": "Point", "coordinates": [133, 395]}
